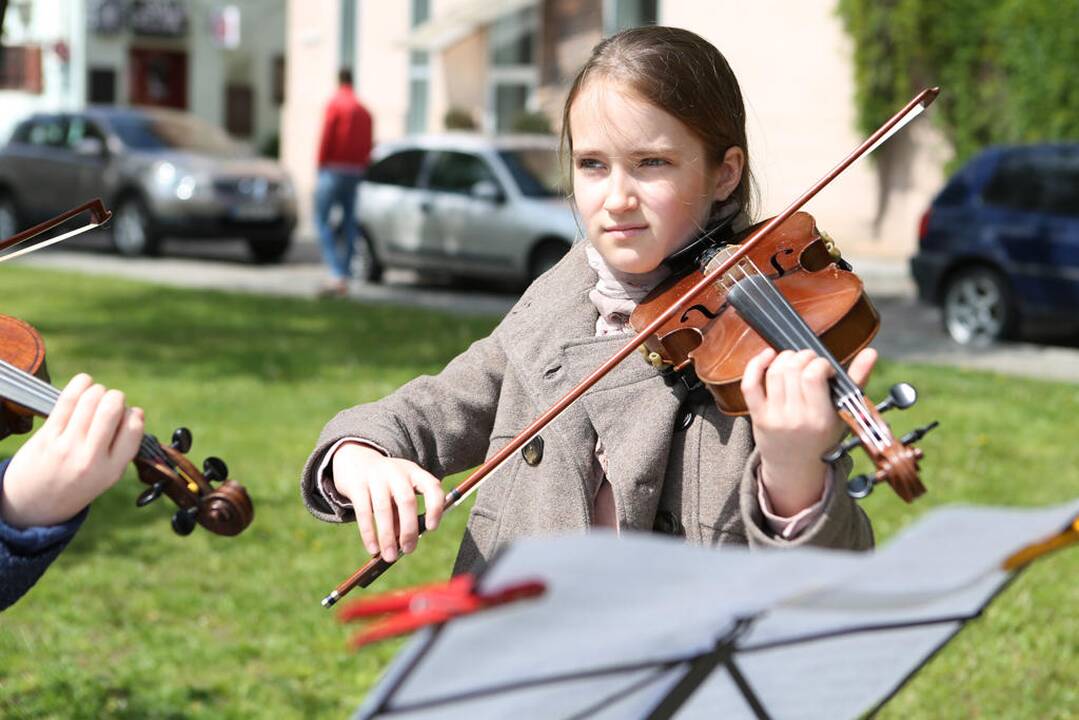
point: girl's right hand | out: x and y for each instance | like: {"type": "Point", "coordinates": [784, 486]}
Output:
{"type": "Point", "coordinates": [383, 493]}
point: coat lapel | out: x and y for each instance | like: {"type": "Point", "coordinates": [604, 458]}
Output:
{"type": "Point", "coordinates": [624, 409]}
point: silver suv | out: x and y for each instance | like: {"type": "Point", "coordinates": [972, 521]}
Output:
{"type": "Point", "coordinates": [465, 204]}
{"type": "Point", "coordinates": [163, 173]}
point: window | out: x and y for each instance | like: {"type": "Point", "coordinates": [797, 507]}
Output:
{"type": "Point", "coordinates": [1061, 185]}
{"type": "Point", "coordinates": [1016, 185]}
{"type": "Point", "coordinates": [401, 168]}
{"type": "Point", "coordinates": [954, 194]}
{"type": "Point", "coordinates": [536, 171]}
{"type": "Point", "coordinates": [20, 68]}
{"type": "Point", "coordinates": [513, 73]}
{"type": "Point", "coordinates": [419, 74]}
{"type": "Point", "coordinates": [347, 45]}
{"type": "Point", "coordinates": [79, 128]}
{"type": "Point", "coordinates": [625, 14]}
{"type": "Point", "coordinates": [49, 132]}
{"type": "Point", "coordinates": [457, 172]}
{"type": "Point", "coordinates": [101, 87]}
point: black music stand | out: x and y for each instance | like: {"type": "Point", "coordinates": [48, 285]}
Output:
{"type": "Point", "coordinates": [647, 627]}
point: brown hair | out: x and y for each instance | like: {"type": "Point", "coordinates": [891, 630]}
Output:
{"type": "Point", "coordinates": [681, 73]}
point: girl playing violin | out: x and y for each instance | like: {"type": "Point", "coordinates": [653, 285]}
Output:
{"type": "Point", "coordinates": [655, 129]}
{"type": "Point", "coordinates": [79, 452]}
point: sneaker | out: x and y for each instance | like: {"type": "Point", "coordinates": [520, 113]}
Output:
{"type": "Point", "coordinates": [333, 288]}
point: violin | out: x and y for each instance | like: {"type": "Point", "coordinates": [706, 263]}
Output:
{"type": "Point", "coordinates": [25, 392]}
{"type": "Point", "coordinates": [223, 510]}
{"type": "Point", "coordinates": [791, 291]}
{"type": "Point", "coordinates": [743, 287]}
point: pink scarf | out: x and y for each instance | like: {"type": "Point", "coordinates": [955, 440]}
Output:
{"type": "Point", "coordinates": [617, 293]}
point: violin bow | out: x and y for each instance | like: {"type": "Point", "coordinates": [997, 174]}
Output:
{"type": "Point", "coordinates": [378, 565]}
{"type": "Point", "coordinates": [98, 217]}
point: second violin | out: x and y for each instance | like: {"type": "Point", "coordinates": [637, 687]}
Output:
{"type": "Point", "coordinates": [223, 510]}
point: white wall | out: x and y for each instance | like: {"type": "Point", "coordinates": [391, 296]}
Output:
{"type": "Point", "coordinates": [794, 63]}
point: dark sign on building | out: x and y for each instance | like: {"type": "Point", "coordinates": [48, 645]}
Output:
{"type": "Point", "coordinates": [163, 18]}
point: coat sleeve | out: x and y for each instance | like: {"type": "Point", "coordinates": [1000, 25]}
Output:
{"type": "Point", "coordinates": [26, 553]}
{"type": "Point", "coordinates": [842, 524]}
{"type": "Point", "coordinates": [441, 422]}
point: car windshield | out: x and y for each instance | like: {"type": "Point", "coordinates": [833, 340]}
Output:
{"type": "Point", "coordinates": [535, 170]}
{"type": "Point", "coordinates": [157, 133]}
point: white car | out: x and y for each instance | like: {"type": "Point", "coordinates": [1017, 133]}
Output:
{"type": "Point", "coordinates": [465, 205]}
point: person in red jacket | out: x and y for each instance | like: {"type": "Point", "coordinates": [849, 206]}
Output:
{"type": "Point", "coordinates": [343, 154]}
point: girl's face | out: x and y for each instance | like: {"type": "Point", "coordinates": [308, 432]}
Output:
{"type": "Point", "coordinates": [641, 180]}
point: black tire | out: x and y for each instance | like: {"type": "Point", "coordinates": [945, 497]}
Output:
{"type": "Point", "coordinates": [269, 248]}
{"type": "Point", "coordinates": [365, 264]}
{"type": "Point", "coordinates": [133, 232]}
{"type": "Point", "coordinates": [10, 223]}
{"type": "Point", "coordinates": [545, 256]}
{"type": "Point", "coordinates": [977, 307]}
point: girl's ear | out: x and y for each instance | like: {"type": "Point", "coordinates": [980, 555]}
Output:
{"type": "Point", "coordinates": [729, 172]}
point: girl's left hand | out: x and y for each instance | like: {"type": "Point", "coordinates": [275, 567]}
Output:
{"type": "Point", "coordinates": [794, 421]}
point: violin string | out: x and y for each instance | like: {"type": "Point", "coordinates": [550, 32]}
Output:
{"type": "Point", "coordinates": [37, 388]}
{"type": "Point", "coordinates": [764, 296]}
{"type": "Point", "coordinates": [850, 397]}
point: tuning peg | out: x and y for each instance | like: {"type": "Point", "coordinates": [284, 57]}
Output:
{"type": "Point", "coordinates": [181, 440]}
{"type": "Point", "coordinates": [837, 452]}
{"type": "Point", "coordinates": [918, 433]}
{"type": "Point", "coordinates": [900, 395]}
{"type": "Point", "coordinates": [215, 469]}
{"type": "Point", "coordinates": [150, 494]}
{"type": "Point", "coordinates": [860, 486]}
{"type": "Point", "coordinates": [183, 520]}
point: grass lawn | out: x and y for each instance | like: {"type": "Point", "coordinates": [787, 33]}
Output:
{"type": "Point", "coordinates": [135, 622]}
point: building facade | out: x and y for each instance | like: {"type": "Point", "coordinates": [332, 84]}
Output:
{"type": "Point", "coordinates": [222, 61]}
{"type": "Point", "coordinates": [498, 65]}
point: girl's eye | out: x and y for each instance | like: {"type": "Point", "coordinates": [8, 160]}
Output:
{"type": "Point", "coordinates": [589, 164]}
{"type": "Point", "coordinates": [653, 162]}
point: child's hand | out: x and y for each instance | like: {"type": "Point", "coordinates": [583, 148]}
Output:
{"type": "Point", "coordinates": [383, 494]}
{"type": "Point", "coordinates": [795, 422]}
{"type": "Point", "coordinates": [79, 453]}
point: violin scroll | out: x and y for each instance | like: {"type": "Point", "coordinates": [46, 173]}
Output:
{"type": "Point", "coordinates": [166, 469]}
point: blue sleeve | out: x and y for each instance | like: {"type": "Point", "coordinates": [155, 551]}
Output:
{"type": "Point", "coordinates": [25, 554]}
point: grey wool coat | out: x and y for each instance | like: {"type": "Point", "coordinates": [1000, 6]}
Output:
{"type": "Point", "coordinates": [697, 480]}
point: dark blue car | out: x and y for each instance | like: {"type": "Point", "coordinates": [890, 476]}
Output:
{"type": "Point", "coordinates": [999, 246]}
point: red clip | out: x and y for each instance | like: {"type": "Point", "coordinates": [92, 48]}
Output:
{"type": "Point", "coordinates": [408, 610]}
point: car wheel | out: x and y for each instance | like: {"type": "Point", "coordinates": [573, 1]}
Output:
{"type": "Point", "coordinates": [978, 308]}
{"type": "Point", "coordinates": [269, 249]}
{"type": "Point", "coordinates": [365, 263]}
{"type": "Point", "coordinates": [132, 230]}
{"type": "Point", "coordinates": [545, 256]}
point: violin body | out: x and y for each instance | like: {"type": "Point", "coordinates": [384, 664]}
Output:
{"type": "Point", "coordinates": [24, 348]}
{"type": "Point", "coordinates": [718, 342]}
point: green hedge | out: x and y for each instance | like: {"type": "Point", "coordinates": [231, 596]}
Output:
{"type": "Point", "coordinates": [1005, 67]}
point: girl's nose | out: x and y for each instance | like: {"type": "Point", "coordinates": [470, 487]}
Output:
{"type": "Point", "coordinates": [621, 194]}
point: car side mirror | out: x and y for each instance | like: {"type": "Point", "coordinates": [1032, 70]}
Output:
{"type": "Point", "coordinates": [489, 191]}
{"type": "Point", "coordinates": [90, 147]}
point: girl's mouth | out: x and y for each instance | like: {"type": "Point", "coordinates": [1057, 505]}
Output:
{"type": "Point", "coordinates": [625, 231]}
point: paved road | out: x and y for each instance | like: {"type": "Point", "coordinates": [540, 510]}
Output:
{"type": "Point", "coordinates": [910, 331]}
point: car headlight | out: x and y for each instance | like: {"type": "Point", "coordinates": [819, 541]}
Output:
{"type": "Point", "coordinates": [185, 189]}
{"type": "Point", "coordinates": [164, 175]}
{"type": "Point", "coordinates": [287, 189]}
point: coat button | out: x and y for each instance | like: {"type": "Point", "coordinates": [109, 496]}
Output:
{"type": "Point", "coordinates": [533, 451]}
{"type": "Point", "coordinates": [684, 421]}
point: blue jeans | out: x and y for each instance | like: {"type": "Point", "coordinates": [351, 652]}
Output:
{"type": "Point", "coordinates": [338, 244]}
